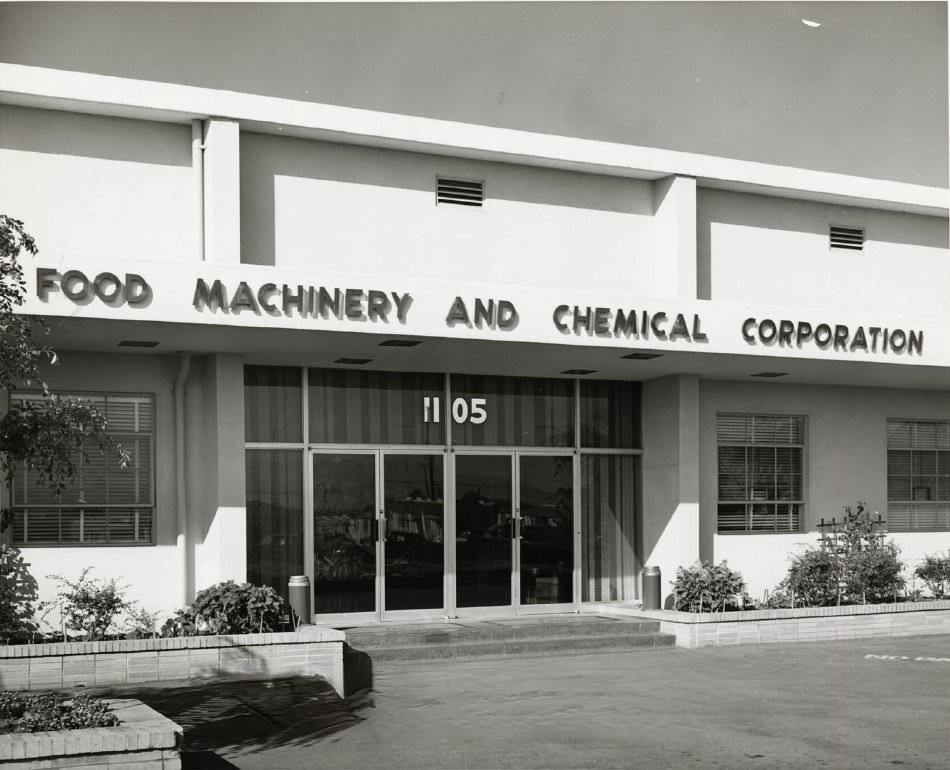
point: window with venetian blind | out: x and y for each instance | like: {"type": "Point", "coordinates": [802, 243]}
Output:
{"type": "Point", "coordinates": [760, 472]}
{"type": "Point", "coordinates": [918, 476]}
{"type": "Point", "coordinates": [106, 503]}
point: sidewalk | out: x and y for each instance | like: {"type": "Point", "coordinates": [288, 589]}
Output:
{"type": "Point", "coordinates": [836, 705]}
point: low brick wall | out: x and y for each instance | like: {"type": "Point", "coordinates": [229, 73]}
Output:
{"type": "Point", "coordinates": [807, 624]}
{"type": "Point", "coordinates": [144, 739]}
{"type": "Point", "coordinates": [313, 650]}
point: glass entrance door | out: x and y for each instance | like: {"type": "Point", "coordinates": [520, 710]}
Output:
{"type": "Point", "coordinates": [545, 529]}
{"type": "Point", "coordinates": [514, 516]}
{"type": "Point", "coordinates": [378, 534]}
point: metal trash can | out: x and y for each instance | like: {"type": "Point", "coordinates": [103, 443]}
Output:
{"type": "Point", "coordinates": [651, 588]}
{"type": "Point", "coordinates": [298, 591]}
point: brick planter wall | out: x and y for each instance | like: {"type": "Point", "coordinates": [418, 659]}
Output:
{"type": "Point", "coordinates": [313, 650]}
{"type": "Point", "coordinates": [144, 739]}
{"type": "Point", "coordinates": [807, 624]}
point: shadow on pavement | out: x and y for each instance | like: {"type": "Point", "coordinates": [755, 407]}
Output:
{"type": "Point", "coordinates": [247, 715]}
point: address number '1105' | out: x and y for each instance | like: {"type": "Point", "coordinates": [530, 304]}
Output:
{"type": "Point", "coordinates": [463, 409]}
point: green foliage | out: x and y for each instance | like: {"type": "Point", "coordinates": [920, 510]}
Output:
{"type": "Point", "coordinates": [856, 566]}
{"type": "Point", "coordinates": [89, 606]}
{"type": "Point", "coordinates": [229, 608]}
{"type": "Point", "coordinates": [812, 579]}
{"type": "Point", "coordinates": [51, 436]}
{"type": "Point", "coordinates": [140, 623]}
{"type": "Point", "coordinates": [35, 712]}
{"type": "Point", "coordinates": [707, 587]}
{"type": "Point", "coordinates": [18, 591]}
{"type": "Point", "coordinates": [935, 572]}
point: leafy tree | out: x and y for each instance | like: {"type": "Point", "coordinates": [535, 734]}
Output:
{"type": "Point", "coordinates": [49, 436]}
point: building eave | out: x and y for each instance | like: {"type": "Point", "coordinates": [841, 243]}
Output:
{"type": "Point", "coordinates": [45, 88]}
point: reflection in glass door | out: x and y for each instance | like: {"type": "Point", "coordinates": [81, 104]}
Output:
{"type": "Point", "coordinates": [344, 532]}
{"type": "Point", "coordinates": [413, 531]}
{"type": "Point", "coordinates": [484, 530]}
{"type": "Point", "coordinates": [546, 513]}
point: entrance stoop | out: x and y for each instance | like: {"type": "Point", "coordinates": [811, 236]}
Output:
{"type": "Point", "coordinates": [548, 635]}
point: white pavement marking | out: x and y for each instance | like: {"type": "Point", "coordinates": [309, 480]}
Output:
{"type": "Point", "coordinates": [919, 658]}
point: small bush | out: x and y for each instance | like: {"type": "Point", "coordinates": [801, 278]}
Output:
{"type": "Point", "coordinates": [89, 606]}
{"type": "Point", "coordinates": [229, 608]}
{"type": "Point", "coordinates": [36, 712]}
{"type": "Point", "coordinates": [707, 587]}
{"type": "Point", "coordinates": [935, 572]}
{"type": "Point", "coordinates": [140, 623]}
{"type": "Point", "coordinates": [18, 591]}
{"type": "Point", "coordinates": [874, 576]}
{"type": "Point", "coordinates": [812, 579]}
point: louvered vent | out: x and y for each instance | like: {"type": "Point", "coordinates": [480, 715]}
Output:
{"type": "Point", "coordinates": [459, 192]}
{"type": "Point", "coordinates": [847, 237]}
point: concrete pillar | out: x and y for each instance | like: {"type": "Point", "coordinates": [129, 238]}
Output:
{"type": "Point", "coordinates": [674, 237]}
{"type": "Point", "coordinates": [217, 473]}
{"type": "Point", "coordinates": [669, 536]}
{"type": "Point", "coordinates": [222, 190]}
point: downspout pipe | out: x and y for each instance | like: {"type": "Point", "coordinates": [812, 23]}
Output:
{"type": "Point", "coordinates": [198, 166]}
{"type": "Point", "coordinates": [181, 513]}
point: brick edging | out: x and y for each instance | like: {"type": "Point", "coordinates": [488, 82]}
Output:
{"type": "Point", "coordinates": [140, 729]}
{"type": "Point", "coordinates": [305, 635]}
{"type": "Point", "coordinates": [676, 616]}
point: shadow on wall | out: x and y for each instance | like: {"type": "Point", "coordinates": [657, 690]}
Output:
{"type": "Point", "coordinates": [265, 158]}
{"type": "Point", "coordinates": [94, 136]}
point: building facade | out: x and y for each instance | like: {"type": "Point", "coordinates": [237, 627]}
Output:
{"type": "Point", "coordinates": [447, 370]}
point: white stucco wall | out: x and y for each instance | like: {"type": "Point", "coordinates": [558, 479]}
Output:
{"type": "Point", "coordinates": [755, 248]}
{"type": "Point", "coordinates": [845, 461]}
{"type": "Point", "coordinates": [320, 205]}
{"type": "Point", "coordinates": [91, 186]}
{"type": "Point", "coordinates": [148, 570]}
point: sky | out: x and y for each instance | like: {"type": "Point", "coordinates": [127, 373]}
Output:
{"type": "Point", "coordinates": [864, 93]}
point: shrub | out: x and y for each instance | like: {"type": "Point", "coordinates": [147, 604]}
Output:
{"type": "Point", "coordinates": [812, 579]}
{"type": "Point", "coordinates": [854, 564]}
{"type": "Point", "coordinates": [140, 623]}
{"type": "Point", "coordinates": [36, 712]}
{"type": "Point", "coordinates": [89, 606]}
{"type": "Point", "coordinates": [229, 608]}
{"type": "Point", "coordinates": [18, 591]}
{"type": "Point", "coordinates": [935, 572]}
{"type": "Point", "coordinates": [707, 587]}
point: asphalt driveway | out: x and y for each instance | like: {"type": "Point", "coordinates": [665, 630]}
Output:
{"type": "Point", "coordinates": [854, 704]}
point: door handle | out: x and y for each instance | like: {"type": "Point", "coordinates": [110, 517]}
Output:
{"type": "Point", "coordinates": [375, 530]}
{"type": "Point", "coordinates": [382, 526]}
{"type": "Point", "coordinates": [511, 529]}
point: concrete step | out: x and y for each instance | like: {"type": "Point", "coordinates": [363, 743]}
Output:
{"type": "Point", "coordinates": [539, 646]}
{"type": "Point", "coordinates": [508, 629]}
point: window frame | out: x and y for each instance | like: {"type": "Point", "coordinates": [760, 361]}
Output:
{"type": "Point", "coordinates": [70, 509]}
{"type": "Point", "coordinates": [802, 502]}
{"type": "Point", "coordinates": [934, 504]}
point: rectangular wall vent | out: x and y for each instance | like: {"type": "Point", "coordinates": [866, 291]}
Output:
{"type": "Point", "coordinates": [847, 237]}
{"type": "Point", "coordinates": [459, 192]}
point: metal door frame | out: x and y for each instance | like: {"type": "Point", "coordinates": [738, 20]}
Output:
{"type": "Point", "coordinates": [379, 613]}
{"type": "Point", "coordinates": [516, 608]}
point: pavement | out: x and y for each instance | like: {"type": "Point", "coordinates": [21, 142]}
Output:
{"type": "Point", "coordinates": [879, 703]}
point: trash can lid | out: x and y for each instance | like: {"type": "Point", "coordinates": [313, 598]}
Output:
{"type": "Point", "coordinates": [651, 570]}
{"type": "Point", "coordinates": [296, 580]}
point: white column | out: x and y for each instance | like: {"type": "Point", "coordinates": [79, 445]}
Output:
{"type": "Point", "coordinates": [670, 473]}
{"type": "Point", "coordinates": [222, 190]}
{"type": "Point", "coordinates": [674, 237]}
{"type": "Point", "coordinates": [220, 527]}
